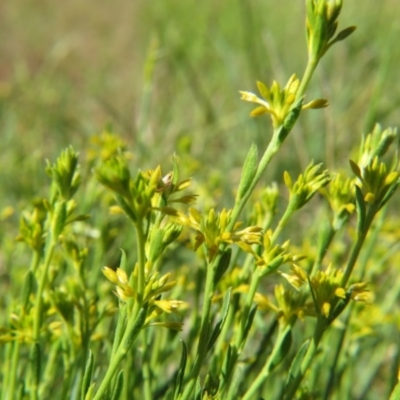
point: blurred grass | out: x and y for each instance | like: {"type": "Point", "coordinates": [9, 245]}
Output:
{"type": "Point", "coordinates": [166, 74]}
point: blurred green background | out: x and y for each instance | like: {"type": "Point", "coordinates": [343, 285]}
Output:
{"type": "Point", "coordinates": [166, 74]}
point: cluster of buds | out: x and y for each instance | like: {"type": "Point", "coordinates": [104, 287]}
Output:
{"type": "Point", "coordinates": [327, 289]}
{"type": "Point", "coordinates": [120, 278]}
{"type": "Point", "coordinates": [155, 287]}
{"type": "Point", "coordinates": [133, 195]}
{"type": "Point", "coordinates": [288, 304]}
{"type": "Point", "coordinates": [65, 175]}
{"type": "Point", "coordinates": [274, 256]}
{"type": "Point", "coordinates": [212, 230]}
{"type": "Point", "coordinates": [340, 195]}
{"type": "Point", "coordinates": [322, 24]}
{"type": "Point", "coordinates": [306, 186]}
{"type": "Point", "coordinates": [266, 204]}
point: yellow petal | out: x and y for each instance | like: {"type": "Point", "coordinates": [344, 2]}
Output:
{"type": "Point", "coordinates": [259, 111]}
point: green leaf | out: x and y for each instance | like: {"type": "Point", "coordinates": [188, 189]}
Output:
{"type": "Point", "coordinates": [222, 265]}
{"type": "Point", "coordinates": [87, 377]}
{"type": "Point", "coordinates": [343, 34]}
{"type": "Point", "coordinates": [34, 358]}
{"type": "Point", "coordinates": [122, 262]}
{"type": "Point", "coordinates": [181, 371]}
{"type": "Point", "coordinates": [126, 207]}
{"type": "Point", "coordinates": [219, 325]}
{"type": "Point", "coordinates": [396, 392]}
{"type": "Point", "coordinates": [249, 322]}
{"type": "Point", "coordinates": [339, 308]}
{"type": "Point", "coordinates": [59, 218]}
{"type": "Point", "coordinates": [283, 350]}
{"type": "Point", "coordinates": [175, 170]}
{"type": "Point", "coordinates": [389, 193]}
{"type": "Point", "coordinates": [27, 288]}
{"type": "Point", "coordinates": [290, 120]}
{"type": "Point", "coordinates": [118, 386]}
{"type": "Point", "coordinates": [90, 392]}
{"type": "Point", "coordinates": [156, 245]}
{"type": "Point", "coordinates": [295, 368]}
{"type": "Point", "coordinates": [360, 207]}
{"type": "Point", "coordinates": [198, 390]}
{"type": "Point", "coordinates": [248, 172]}
{"type": "Point", "coordinates": [76, 218]}
{"type": "Point", "coordinates": [140, 320]}
{"type": "Point", "coordinates": [356, 169]}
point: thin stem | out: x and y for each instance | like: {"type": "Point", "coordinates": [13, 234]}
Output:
{"type": "Point", "coordinates": [132, 330]}
{"type": "Point", "coordinates": [16, 345]}
{"type": "Point", "coordinates": [141, 240]}
{"type": "Point", "coordinates": [282, 223]}
{"type": "Point", "coordinates": [308, 73]}
{"type": "Point", "coordinates": [264, 373]}
{"type": "Point", "coordinates": [204, 332]}
{"type": "Point", "coordinates": [307, 360]}
{"type": "Point", "coordinates": [357, 248]}
{"type": "Point", "coordinates": [239, 343]}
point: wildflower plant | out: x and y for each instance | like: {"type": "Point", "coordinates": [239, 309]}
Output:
{"type": "Point", "coordinates": [199, 304]}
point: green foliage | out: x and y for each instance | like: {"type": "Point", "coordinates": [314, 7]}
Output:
{"type": "Point", "coordinates": [247, 302]}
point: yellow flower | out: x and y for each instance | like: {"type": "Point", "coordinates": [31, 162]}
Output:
{"type": "Point", "coordinates": [277, 102]}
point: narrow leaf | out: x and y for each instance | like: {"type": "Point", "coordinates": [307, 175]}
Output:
{"type": "Point", "coordinates": [122, 263]}
{"type": "Point", "coordinates": [34, 358]}
{"type": "Point", "coordinates": [87, 377]}
{"type": "Point", "coordinates": [156, 245]}
{"type": "Point", "coordinates": [283, 350]}
{"type": "Point", "coordinates": [27, 288]}
{"type": "Point", "coordinates": [295, 368]}
{"type": "Point", "coordinates": [396, 392]}
{"type": "Point", "coordinates": [224, 313]}
{"type": "Point", "coordinates": [344, 34]}
{"type": "Point", "coordinates": [360, 207]}
{"type": "Point", "coordinates": [118, 386]}
{"type": "Point", "coordinates": [248, 172]}
{"type": "Point", "coordinates": [249, 322]}
{"type": "Point", "coordinates": [222, 265]}
{"type": "Point", "coordinates": [90, 392]}
{"type": "Point", "coordinates": [356, 169]}
{"type": "Point", "coordinates": [181, 371]}
{"type": "Point", "coordinates": [198, 391]}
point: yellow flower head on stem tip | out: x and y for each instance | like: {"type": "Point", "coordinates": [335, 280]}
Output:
{"type": "Point", "coordinates": [278, 102]}
{"type": "Point", "coordinates": [169, 306]}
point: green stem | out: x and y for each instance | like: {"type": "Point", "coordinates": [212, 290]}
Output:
{"type": "Point", "coordinates": [9, 358]}
{"type": "Point", "coordinates": [239, 342]}
{"type": "Point", "coordinates": [132, 330]}
{"type": "Point", "coordinates": [204, 331]}
{"type": "Point", "coordinates": [16, 345]}
{"type": "Point", "coordinates": [339, 346]}
{"type": "Point", "coordinates": [308, 73]}
{"type": "Point", "coordinates": [141, 241]}
{"type": "Point", "coordinates": [264, 373]}
{"type": "Point", "coordinates": [42, 284]}
{"type": "Point", "coordinates": [307, 360]}
{"type": "Point", "coordinates": [282, 223]}
{"type": "Point", "coordinates": [255, 280]}
{"type": "Point", "coordinates": [135, 317]}
{"type": "Point", "coordinates": [357, 248]}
